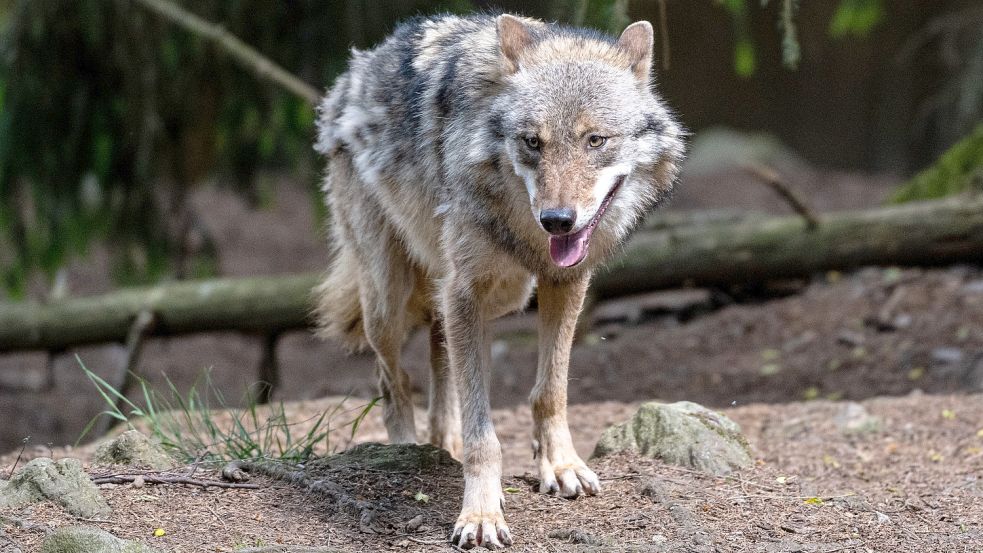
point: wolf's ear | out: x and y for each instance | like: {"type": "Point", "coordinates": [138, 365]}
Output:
{"type": "Point", "coordinates": [636, 41]}
{"type": "Point", "coordinates": [513, 38]}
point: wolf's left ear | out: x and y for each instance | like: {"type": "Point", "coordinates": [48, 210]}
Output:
{"type": "Point", "coordinates": [636, 41]}
{"type": "Point", "coordinates": [513, 37]}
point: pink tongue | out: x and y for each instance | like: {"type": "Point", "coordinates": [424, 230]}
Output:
{"type": "Point", "coordinates": [569, 249]}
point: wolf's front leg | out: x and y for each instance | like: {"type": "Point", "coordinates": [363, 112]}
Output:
{"type": "Point", "coordinates": [560, 468]}
{"type": "Point", "coordinates": [482, 522]}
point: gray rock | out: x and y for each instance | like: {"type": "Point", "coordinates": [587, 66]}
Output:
{"type": "Point", "coordinates": [82, 539]}
{"type": "Point", "coordinates": [62, 482]}
{"type": "Point", "coordinates": [681, 433]}
{"type": "Point", "coordinates": [132, 448]}
{"type": "Point", "coordinates": [853, 418]}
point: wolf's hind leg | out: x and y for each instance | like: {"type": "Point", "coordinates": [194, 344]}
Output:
{"type": "Point", "coordinates": [385, 291]}
{"type": "Point", "coordinates": [561, 470]}
{"type": "Point", "coordinates": [445, 409]}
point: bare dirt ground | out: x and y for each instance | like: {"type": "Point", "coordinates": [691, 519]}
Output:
{"type": "Point", "coordinates": [912, 483]}
{"type": "Point", "coordinates": [782, 368]}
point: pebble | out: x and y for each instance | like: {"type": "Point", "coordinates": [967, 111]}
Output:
{"type": "Point", "coordinates": [413, 524]}
{"type": "Point", "coordinates": [974, 287]}
{"type": "Point", "coordinates": [947, 355]}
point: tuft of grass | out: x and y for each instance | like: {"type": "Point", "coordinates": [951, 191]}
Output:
{"type": "Point", "coordinates": [190, 428]}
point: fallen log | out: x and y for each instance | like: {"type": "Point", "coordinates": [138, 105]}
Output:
{"type": "Point", "coordinates": [721, 251]}
{"type": "Point", "coordinates": [265, 305]}
{"type": "Point", "coordinates": [760, 249]}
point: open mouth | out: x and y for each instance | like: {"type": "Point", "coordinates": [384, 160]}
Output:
{"type": "Point", "coordinates": [569, 249]}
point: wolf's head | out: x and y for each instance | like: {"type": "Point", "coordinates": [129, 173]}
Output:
{"type": "Point", "coordinates": [583, 130]}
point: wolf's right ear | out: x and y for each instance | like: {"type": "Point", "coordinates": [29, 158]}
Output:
{"type": "Point", "coordinates": [513, 37]}
{"type": "Point", "coordinates": [636, 41]}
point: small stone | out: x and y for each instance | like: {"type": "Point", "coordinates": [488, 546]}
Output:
{"type": "Point", "coordinates": [682, 433]}
{"type": "Point", "coordinates": [413, 524]}
{"type": "Point", "coordinates": [974, 287]}
{"type": "Point", "coordinates": [853, 418]}
{"type": "Point", "coordinates": [659, 538]}
{"type": "Point", "coordinates": [132, 448]}
{"type": "Point", "coordinates": [138, 482]}
{"type": "Point", "coordinates": [850, 338]}
{"type": "Point", "coordinates": [902, 321]}
{"type": "Point", "coordinates": [947, 355]}
{"type": "Point", "coordinates": [577, 536]}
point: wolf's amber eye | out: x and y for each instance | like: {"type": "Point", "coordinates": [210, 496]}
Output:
{"type": "Point", "coordinates": [532, 142]}
{"type": "Point", "coordinates": [595, 141]}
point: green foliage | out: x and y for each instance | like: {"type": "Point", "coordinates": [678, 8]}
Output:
{"type": "Point", "coordinates": [110, 116]}
{"type": "Point", "coordinates": [956, 171]}
{"type": "Point", "coordinates": [608, 15]}
{"type": "Point", "coordinates": [745, 59]}
{"type": "Point", "coordinates": [856, 18]}
{"type": "Point", "coordinates": [189, 427]}
{"type": "Point", "coordinates": [851, 18]}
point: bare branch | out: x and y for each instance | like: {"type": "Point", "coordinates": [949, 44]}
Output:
{"type": "Point", "coordinates": [151, 479]}
{"type": "Point", "coordinates": [771, 177]}
{"type": "Point", "coordinates": [247, 56]}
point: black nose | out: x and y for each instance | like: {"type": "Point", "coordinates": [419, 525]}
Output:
{"type": "Point", "coordinates": [557, 221]}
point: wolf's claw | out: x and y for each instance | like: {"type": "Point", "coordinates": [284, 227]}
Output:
{"type": "Point", "coordinates": [489, 531]}
{"type": "Point", "coordinates": [568, 479]}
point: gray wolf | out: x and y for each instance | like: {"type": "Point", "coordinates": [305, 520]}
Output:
{"type": "Point", "coordinates": [469, 161]}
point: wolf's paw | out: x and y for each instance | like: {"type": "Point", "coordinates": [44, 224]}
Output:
{"type": "Point", "coordinates": [477, 529]}
{"type": "Point", "coordinates": [568, 477]}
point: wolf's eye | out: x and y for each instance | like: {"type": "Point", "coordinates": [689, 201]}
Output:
{"type": "Point", "coordinates": [595, 141]}
{"type": "Point", "coordinates": [532, 142]}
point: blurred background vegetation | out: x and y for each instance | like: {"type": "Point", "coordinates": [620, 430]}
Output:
{"type": "Point", "coordinates": [110, 115]}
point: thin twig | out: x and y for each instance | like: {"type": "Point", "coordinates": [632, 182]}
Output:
{"type": "Point", "coordinates": [19, 455]}
{"type": "Point", "coordinates": [218, 518]}
{"type": "Point", "coordinates": [771, 177]}
{"type": "Point", "coordinates": [423, 542]}
{"type": "Point", "coordinates": [789, 497]}
{"type": "Point", "coordinates": [126, 479]}
{"type": "Point", "coordinates": [248, 57]}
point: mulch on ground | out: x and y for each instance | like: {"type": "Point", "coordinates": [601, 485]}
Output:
{"type": "Point", "coordinates": [910, 482]}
